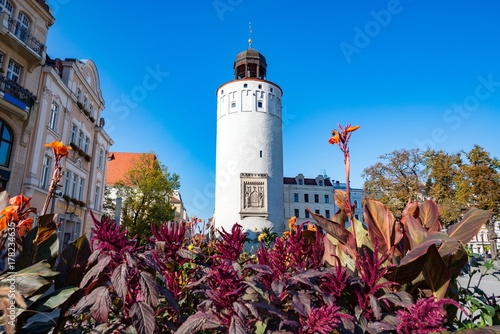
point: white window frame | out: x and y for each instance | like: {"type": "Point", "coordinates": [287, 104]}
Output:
{"type": "Point", "coordinates": [86, 145]}
{"type": "Point", "coordinates": [46, 171]}
{"type": "Point", "coordinates": [22, 26]}
{"type": "Point", "coordinates": [81, 188]}
{"type": "Point", "coordinates": [14, 71]}
{"type": "Point", "coordinates": [97, 195]}
{"type": "Point", "coordinates": [101, 158]}
{"type": "Point", "coordinates": [54, 116]}
{"type": "Point", "coordinates": [67, 182]}
{"type": "Point", "coordinates": [6, 6]}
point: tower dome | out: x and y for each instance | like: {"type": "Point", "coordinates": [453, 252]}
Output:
{"type": "Point", "coordinates": [250, 64]}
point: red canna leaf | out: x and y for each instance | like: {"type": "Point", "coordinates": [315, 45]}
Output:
{"type": "Point", "coordinates": [382, 225]}
{"type": "Point", "coordinates": [436, 273]}
{"type": "Point", "coordinates": [429, 214]}
{"type": "Point", "coordinates": [470, 225]}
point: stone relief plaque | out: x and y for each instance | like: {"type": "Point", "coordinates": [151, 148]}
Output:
{"type": "Point", "coordinates": [253, 195]}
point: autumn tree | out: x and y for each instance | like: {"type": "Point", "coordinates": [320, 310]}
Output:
{"type": "Point", "coordinates": [396, 180]}
{"type": "Point", "coordinates": [441, 171]}
{"type": "Point", "coordinates": [478, 185]}
{"type": "Point", "coordinates": [146, 191]}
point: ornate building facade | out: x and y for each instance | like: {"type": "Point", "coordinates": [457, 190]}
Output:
{"type": "Point", "coordinates": [23, 33]}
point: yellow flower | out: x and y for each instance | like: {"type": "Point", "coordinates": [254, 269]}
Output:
{"type": "Point", "coordinates": [291, 222]}
{"type": "Point", "coordinates": [352, 128]}
{"type": "Point", "coordinates": [335, 139]}
{"type": "Point", "coordinates": [261, 237]}
{"type": "Point", "coordinates": [59, 148]}
{"type": "Point", "coordinates": [311, 227]}
{"type": "Point", "coordinates": [190, 247]}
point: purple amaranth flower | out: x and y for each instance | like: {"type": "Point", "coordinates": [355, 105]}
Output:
{"type": "Point", "coordinates": [323, 320]}
{"type": "Point", "coordinates": [232, 243]}
{"type": "Point", "coordinates": [425, 316]}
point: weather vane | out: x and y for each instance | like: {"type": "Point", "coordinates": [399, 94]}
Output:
{"type": "Point", "coordinates": [249, 35]}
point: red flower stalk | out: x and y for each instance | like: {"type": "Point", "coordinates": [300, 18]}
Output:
{"type": "Point", "coordinates": [334, 284]}
{"type": "Point", "coordinates": [425, 316]}
{"type": "Point", "coordinates": [232, 243]}
{"type": "Point", "coordinates": [341, 138]}
{"type": "Point", "coordinates": [323, 320]}
{"type": "Point", "coordinates": [173, 235]}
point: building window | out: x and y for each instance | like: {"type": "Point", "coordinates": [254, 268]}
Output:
{"type": "Point", "coordinates": [80, 138]}
{"type": "Point", "coordinates": [316, 198]}
{"type": "Point", "coordinates": [6, 142]}
{"type": "Point", "coordinates": [14, 71]}
{"type": "Point", "coordinates": [45, 179]}
{"type": "Point", "coordinates": [259, 104]}
{"type": "Point", "coordinates": [306, 198]}
{"type": "Point", "coordinates": [355, 204]}
{"type": "Point", "coordinates": [72, 135]}
{"type": "Point", "coordinates": [260, 86]}
{"type": "Point", "coordinates": [356, 217]}
{"type": "Point", "coordinates": [327, 198]}
{"type": "Point", "coordinates": [316, 211]}
{"type": "Point", "coordinates": [320, 183]}
{"type": "Point", "coordinates": [87, 144]}
{"type": "Point", "coordinates": [96, 197]}
{"type": "Point", "coordinates": [327, 213]}
{"type": "Point", "coordinates": [1, 58]}
{"type": "Point", "coordinates": [295, 197]}
{"type": "Point", "coordinates": [91, 110]}
{"type": "Point", "coordinates": [85, 102]}
{"type": "Point", "coordinates": [271, 89]}
{"type": "Point", "coordinates": [67, 183]}
{"type": "Point", "coordinates": [296, 212]}
{"type": "Point", "coordinates": [301, 182]}
{"type": "Point", "coordinates": [54, 115]}
{"type": "Point", "coordinates": [101, 158]}
{"type": "Point", "coordinates": [74, 183]}
{"type": "Point", "coordinates": [6, 6]}
{"type": "Point", "coordinates": [78, 94]}
{"type": "Point", "coordinates": [22, 26]}
{"type": "Point", "coordinates": [306, 213]}
{"type": "Point", "coordinates": [245, 85]}
{"type": "Point", "coordinates": [233, 104]}
{"type": "Point", "coordinates": [81, 188]}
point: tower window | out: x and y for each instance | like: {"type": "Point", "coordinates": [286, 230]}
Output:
{"type": "Point", "coordinates": [245, 85]}
{"type": "Point", "coordinates": [259, 104]}
{"type": "Point", "coordinates": [271, 89]}
{"type": "Point", "coordinates": [233, 104]}
{"type": "Point", "coordinates": [222, 91]}
{"type": "Point", "coordinates": [261, 154]}
{"type": "Point", "coordinates": [260, 86]}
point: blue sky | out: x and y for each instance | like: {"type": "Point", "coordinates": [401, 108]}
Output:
{"type": "Point", "coordinates": [411, 73]}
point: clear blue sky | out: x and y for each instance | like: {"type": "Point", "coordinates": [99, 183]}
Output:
{"type": "Point", "coordinates": [411, 73]}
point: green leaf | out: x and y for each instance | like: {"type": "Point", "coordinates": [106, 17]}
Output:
{"type": "Point", "coordinates": [72, 263]}
{"type": "Point", "coordinates": [39, 244]}
{"type": "Point", "coordinates": [470, 225]}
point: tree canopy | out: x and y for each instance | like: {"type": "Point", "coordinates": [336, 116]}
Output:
{"type": "Point", "coordinates": [455, 181]}
{"type": "Point", "coordinates": [146, 191]}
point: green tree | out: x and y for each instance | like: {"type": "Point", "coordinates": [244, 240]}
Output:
{"type": "Point", "coordinates": [146, 192]}
{"type": "Point", "coordinates": [399, 179]}
{"type": "Point", "coordinates": [478, 185]}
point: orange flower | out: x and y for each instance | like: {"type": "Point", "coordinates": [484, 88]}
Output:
{"type": "Point", "coordinates": [20, 201]}
{"type": "Point", "coordinates": [311, 227]}
{"type": "Point", "coordinates": [291, 222]}
{"type": "Point", "coordinates": [59, 148]}
{"type": "Point", "coordinates": [25, 225]}
{"type": "Point", "coordinates": [352, 128]}
{"type": "Point", "coordinates": [335, 139]}
{"type": "Point", "coordinates": [7, 215]}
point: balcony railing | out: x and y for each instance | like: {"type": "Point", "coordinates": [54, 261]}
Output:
{"type": "Point", "coordinates": [17, 91]}
{"type": "Point", "coordinates": [31, 41]}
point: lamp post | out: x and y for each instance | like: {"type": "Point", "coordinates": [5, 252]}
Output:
{"type": "Point", "coordinates": [482, 243]}
{"type": "Point", "coordinates": [55, 194]}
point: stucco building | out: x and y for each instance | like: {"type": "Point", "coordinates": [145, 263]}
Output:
{"type": "Point", "coordinates": [23, 33]}
{"type": "Point", "coordinates": [70, 110]}
{"type": "Point", "coordinates": [316, 194]}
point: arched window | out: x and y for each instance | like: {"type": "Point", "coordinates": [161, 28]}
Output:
{"type": "Point", "coordinates": [6, 141]}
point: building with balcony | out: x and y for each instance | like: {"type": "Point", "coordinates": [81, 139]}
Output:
{"type": "Point", "coordinates": [23, 32]}
{"type": "Point", "coordinates": [70, 110]}
{"type": "Point", "coordinates": [316, 194]}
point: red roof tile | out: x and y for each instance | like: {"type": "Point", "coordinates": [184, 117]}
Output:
{"type": "Point", "coordinates": [120, 165]}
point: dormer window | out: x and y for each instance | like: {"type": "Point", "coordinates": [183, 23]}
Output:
{"type": "Point", "coordinates": [301, 182]}
{"type": "Point", "coordinates": [320, 183]}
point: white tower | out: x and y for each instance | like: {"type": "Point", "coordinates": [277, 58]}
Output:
{"type": "Point", "coordinates": [249, 159]}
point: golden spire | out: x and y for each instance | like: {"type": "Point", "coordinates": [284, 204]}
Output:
{"type": "Point", "coordinates": [249, 35]}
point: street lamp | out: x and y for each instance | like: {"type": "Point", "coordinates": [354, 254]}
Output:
{"type": "Point", "coordinates": [55, 194]}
